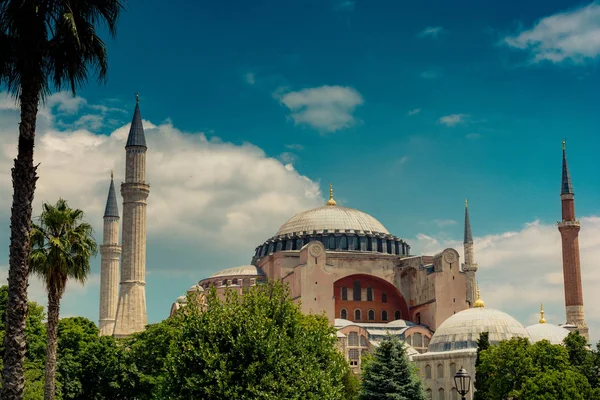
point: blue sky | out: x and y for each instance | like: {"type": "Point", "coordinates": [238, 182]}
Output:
{"type": "Point", "coordinates": [407, 109]}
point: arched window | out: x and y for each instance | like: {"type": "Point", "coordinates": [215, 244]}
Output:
{"type": "Point", "coordinates": [234, 282]}
{"type": "Point", "coordinates": [344, 293]}
{"type": "Point", "coordinates": [353, 355]}
{"type": "Point", "coordinates": [418, 318]}
{"type": "Point", "coordinates": [332, 242]}
{"type": "Point", "coordinates": [429, 394]}
{"type": "Point", "coordinates": [397, 315]}
{"type": "Point", "coordinates": [428, 371]}
{"type": "Point", "coordinates": [441, 394]}
{"type": "Point", "coordinates": [369, 294]}
{"type": "Point", "coordinates": [356, 291]}
{"type": "Point", "coordinates": [371, 315]}
{"type": "Point", "coordinates": [452, 370]}
{"type": "Point", "coordinates": [440, 371]}
{"type": "Point", "coordinates": [344, 243]}
{"type": "Point", "coordinates": [353, 339]}
{"type": "Point", "coordinates": [363, 341]}
{"type": "Point", "coordinates": [417, 340]}
{"type": "Point", "coordinates": [426, 342]}
{"type": "Point", "coordinates": [357, 315]}
{"type": "Point", "coordinates": [453, 394]}
{"type": "Point", "coordinates": [384, 315]}
{"type": "Point", "coordinates": [344, 314]}
{"type": "Point", "coordinates": [383, 297]}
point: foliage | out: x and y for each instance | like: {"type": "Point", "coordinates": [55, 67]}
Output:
{"type": "Point", "coordinates": [483, 343]}
{"type": "Point", "coordinates": [518, 370]}
{"type": "Point", "coordinates": [257, 346]}
{"type": "Point", "coordinates": [584, 360]}
{"type": "Point", "coordinates": [52, 40]}
{"type": "Point", "coordinates": [390, 375]}
{"type": "Point", "coordinates": [61, 248]}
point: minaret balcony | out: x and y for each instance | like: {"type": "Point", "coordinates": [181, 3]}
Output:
{"type": "Point", "coordinates": [562, 224]}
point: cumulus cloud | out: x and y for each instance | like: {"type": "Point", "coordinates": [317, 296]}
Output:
{"type": "Point", "coordinates": [519, 270]}
{"type": "Point", "coordinates": [324, 108]}
{"type": "Point", "coordinates": [452, 119]}
{"type": "Point", "coordinates": [570, 35]}
{"type": "Point", "coordinates": [414, 112]}
{"type": "Point", "coordinates": [431, 31]}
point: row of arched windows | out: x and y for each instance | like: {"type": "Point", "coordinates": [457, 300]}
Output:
{"type": "Point", "coordinates": [439, 371]}
{"type": "Point", "coordinates": [370, 315]}
{"type": "Point", "coordinates": [441, 395]}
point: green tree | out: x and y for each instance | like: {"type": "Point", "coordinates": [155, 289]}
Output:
{"type": "Point", "coordinates": [389, 375]}
{"type": "Point", "coordinates": [62, 245]}
{"type": "Point", "coordinates": [40, 42]}
{"type": "Point", "coordinates": [481, 378]}
{"type": "Point", "coordinates": [557, 384]}
{"type": "Point", "coordinates": [582, 357]}
{"type": "Point", "coordinates": [259, 346]}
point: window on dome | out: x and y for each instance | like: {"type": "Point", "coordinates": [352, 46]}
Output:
{"type": "Point", "coordinates": [384, 316]}
{"type": "Point", "coordinates": [389, 246]}
{"type": "Point", "coordinates": [371, 315]}
{"type": "Point", "coordinates": [428, 373]}
{"type": "Point", "coordinates": [363, 341]}
{"type": "Point", "coordinates": [331, 243]}
{"type": "Point", "coordinates": [344, 243]}
{"type": "Point", "coordinates": [383, 297]}
{"type": "Point", "coordinates": [397, 315]}
{"type": "Point", "coordinates": [352, 243]}
{"type": "Point", "coordinates": [356, 291]}
{"type": "Point", "coordinates": [369, 294]}
{"type": "Point", "coordinates": [417, 340]}
{"type": "Point", "coordinates": [344, 314]}
{"type": "Point", "coordinates": [353, 339]}
{"type": "Point", "coordinates": [344, 293]}
{"type": "Point", "coordinates": [440, 371]}
{"type": "Point", "coordinates": [357, 315]}
{"type": "Point", "coordinates": [379, 246]}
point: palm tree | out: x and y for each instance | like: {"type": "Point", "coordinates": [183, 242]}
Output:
{"type": "Point", "coordinates": [41, 42]}
{"type": "Point", "coordinates": [61, 247]}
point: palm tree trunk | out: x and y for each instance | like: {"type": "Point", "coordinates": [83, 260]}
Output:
{"type": "Point", "coordinates": [52, 331]}
{"type": "Point", "coordinates": [24, 179]}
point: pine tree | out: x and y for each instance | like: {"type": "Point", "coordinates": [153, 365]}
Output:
{"type": "Point", "coordinates": [481, 386]}
{"type": "Point", "coordinates": [389, 375]}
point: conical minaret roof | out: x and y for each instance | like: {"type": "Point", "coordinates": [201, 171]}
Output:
{"type": "Point", "coordinates": [468, 233]}
{"type": "Point", "coordinates": [111, 210]}
{"type": "Point", "coordinates": [566, 187]}
{"type": "Point", "coordinates": [136, 132]}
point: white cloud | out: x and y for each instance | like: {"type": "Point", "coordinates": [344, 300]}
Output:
{"type": "Point", "coordinates": [431, 31]}
{"type": "Point", "coordinates": [414, 112]}
{"type": "Point", "coordinates": [452, 119]}
{"type": "Point", "coordinates": [250, 78]}
{"type": "Point", "coordinates": [441, 223]}
{"type": "Point", "coordinates": [521, 269]}
{"type": "Point", "coordinates": [325, 108]}
{"type": "Point", "coordinates": [288, 158]}
{"type": "Point", "coordinates": [295, 146]}
{"type": "Point", "coordinates": [65, 102]}
{"type": "Point", "coordinates": [570, 35]}
{"type": "Point", "coordinates": [403, 160]}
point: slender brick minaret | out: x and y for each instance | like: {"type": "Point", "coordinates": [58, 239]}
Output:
{"type": "Point", "coordinates": [131, 311]}
{"type": "Point", "coordinates": [110, 251]}
{"type": "Point", "coordinates": [569, 231]}
{"type": "Point", "coordinates": [469, 267]}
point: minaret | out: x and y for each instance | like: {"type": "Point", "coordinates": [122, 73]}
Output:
{"type": "Point", "coordinates": [569, 231]}
{"type": "Point", "coordinates": [131, 311]}
{"type": "Point", "coordinates": [469, 267]}
{"type": "Point", "coordinates": [110, 252]}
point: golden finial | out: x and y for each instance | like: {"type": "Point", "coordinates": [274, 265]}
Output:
{"type": "Point", "coordinates": [542, 319]}
{"type": "Point", "coordinates": [137, 97]}
{"type": "Point", "coordinates": [331, 201]}
{"type": "Point", "coordinates": [466, 203]}
{"type": "Point", "coordinates": [564, 143]}
{"type": "Point", "coordinates": [479, 302]}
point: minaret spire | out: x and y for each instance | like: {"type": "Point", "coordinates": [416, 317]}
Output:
{"type": "Point", "coordinates": [469, 267]}
{"type": "Point", "coordinates": [110, 252]}
{"type": "Point", "coordinates": [569, 232]}
{"type": "Point", "coordinates": [131, 311]}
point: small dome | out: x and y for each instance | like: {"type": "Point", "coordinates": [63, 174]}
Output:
{"type": "Point", "coordinates": [552, 333]}
{"type": "Point", "coordinates": [244, 270]}
{"type": "Point", "coordinates": [331, 218]}
{"type": "Point", "coordinates": [462, 330]}
{"type": "Point", "coordinates": [181, 300]}
{"type": "Point", "coordinates": [195, 288]}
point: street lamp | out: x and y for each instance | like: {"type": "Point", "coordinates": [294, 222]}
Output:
{"type": "Point", "coordinates": [462, 382]}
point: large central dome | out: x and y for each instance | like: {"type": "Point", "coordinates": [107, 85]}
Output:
{"type": "Point", "coordinates": [331, 218]}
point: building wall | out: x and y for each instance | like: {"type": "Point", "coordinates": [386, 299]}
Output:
{"type": "Point", "coordinates": [437, 372]}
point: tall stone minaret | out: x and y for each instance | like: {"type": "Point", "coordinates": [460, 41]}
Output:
{"type": "Point", "coordinates": [131, 311]}
{"type": "Point", "coordinates": [469, 267]}
{"type": "Point", "coordinates": [569, 231]}
{"type": "Point", "coordinates": [110, 252]}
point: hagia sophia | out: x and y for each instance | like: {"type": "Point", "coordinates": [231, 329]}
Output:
{"type": "Point", "coordinates": [343, 262]}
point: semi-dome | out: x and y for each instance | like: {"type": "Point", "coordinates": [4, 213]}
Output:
{"type": "Point", "coordinates": [331, 219]}
{"type": "Point", "coordinates": [244, 270]}
{"type": "Point", "coordinates": [462, 330]}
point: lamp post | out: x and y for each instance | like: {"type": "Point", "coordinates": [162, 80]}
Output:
{"type": "Point", "coordinates": [462, 382]}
